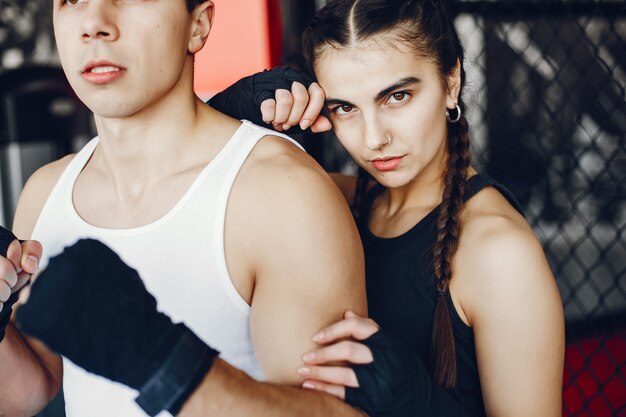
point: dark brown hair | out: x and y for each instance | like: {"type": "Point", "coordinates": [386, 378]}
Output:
{"type": "Point", "coordinates": [191, 4]}
{"type": "Point", "coordinates": [427, 28]}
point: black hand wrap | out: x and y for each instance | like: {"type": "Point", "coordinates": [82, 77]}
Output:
{"type": "Point", "coordinates": [395, 384]}
{"type": "Point", "coordinates": [243, 99]}
{"type": "Point", "coordinates": [6, 237]}
{"type": "Point", "coordinates": [92, 308]}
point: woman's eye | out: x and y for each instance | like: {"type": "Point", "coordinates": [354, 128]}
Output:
{"type": "Point", "coordinates": [343, 109]}
{"type": "Point", "coordinates": [346, 109]}
{"type": "Point", "coordinates": [398, 97]}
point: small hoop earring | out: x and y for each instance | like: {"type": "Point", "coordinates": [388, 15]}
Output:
{"type": "Point", "coordinates": [458, 114]}
{"type": "Point", "coordinates": [388, 140]}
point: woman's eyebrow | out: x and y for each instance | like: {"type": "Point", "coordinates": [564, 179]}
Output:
{"type": "Point", "coordinates": [403, 83]}
{"type": "Point", "coordinates": [337, 102]}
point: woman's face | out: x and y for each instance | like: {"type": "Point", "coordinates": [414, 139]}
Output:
{"type": "Point", "coordinates": [382, 89]}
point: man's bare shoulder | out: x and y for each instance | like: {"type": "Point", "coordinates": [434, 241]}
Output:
{"type": "Point", "coordinates": [287, 204]}
{"type": "Point", "coordinates": [277, 154]}
{"type": "Point", "coordinates": [278, 167]}
{"type": "Point", "coordinates": [283, 201]}
{"type": "Point", "coordinates": [290, 230]}
{"type": "Point", "coordinates": [35, 194]}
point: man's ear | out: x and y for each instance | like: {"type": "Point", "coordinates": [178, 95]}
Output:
{"type": "Point", "coordinates": [454, 85]}
{"type": "Point", "coordinates": [202, 22]}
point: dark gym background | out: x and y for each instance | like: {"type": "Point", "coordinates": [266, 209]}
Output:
{"type": "Point", "coordinates": [547, 102]}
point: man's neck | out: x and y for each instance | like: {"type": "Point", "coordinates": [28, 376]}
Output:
{"type": "Point", "coordinates": [142, 167]}
{"type": "Point", "coordinates": [154, 143]}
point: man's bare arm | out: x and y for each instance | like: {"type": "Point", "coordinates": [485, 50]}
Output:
{"type": "Point", "coordinates": [307, 256]}
{"type": "Point", "coordinates": [30, 374]}
{"type": "Point", "coordinates": [227, 391]}
{"type": "Point", "coordinates": [309, 270]}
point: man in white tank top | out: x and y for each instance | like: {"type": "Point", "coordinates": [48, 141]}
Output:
{"type": "Point", "coordinates": [237, 233]}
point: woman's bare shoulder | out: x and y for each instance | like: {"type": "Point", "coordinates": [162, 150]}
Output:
{"type": "Point", "coordinates": [511, 300]}
{"type": "Point", "coordinates": [498, 253]}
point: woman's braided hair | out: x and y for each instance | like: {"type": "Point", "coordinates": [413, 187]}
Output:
{"type": "Point", "coordinates": [363, 179]}
{"type": "Point", "coordinates": [427, 28]}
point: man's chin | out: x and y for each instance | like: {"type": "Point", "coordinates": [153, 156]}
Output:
{"type": "Point", "coordinates": [111, 110]}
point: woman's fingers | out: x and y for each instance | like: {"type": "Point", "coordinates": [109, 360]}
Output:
{"type": "Point", "coordinates": [268, 110]}
{"type": "Point", "coordinates": [349, 314]}
{"type": "Point", "coordinates": [300, 106]}
{"type": "Point", "coordinates": [336, 375]}
{"type": "Point", "coordinates": [353, 326]}
{"type": "Point", "coordinates": [300, 98]}
{"type": "Point", "coordinates": [276, 111]}
{"type": "Point", "coordinates": [346, 351]}
{"type": "Point", "coordinates": [284, 103]}
{"type": "Point", "coordinates": [321, 124]}
{"type": "Point", "coordinates": [268, 114]}
{"type": "Point", "coordinates": [316, 98]}
{"type": "Point", "coordinates": [336, 390]}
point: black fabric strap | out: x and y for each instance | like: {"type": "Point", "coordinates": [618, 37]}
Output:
{"type": "Point", "coordinates": [179, 376]}
{"type": "Point", "coordinates": [5, 314]}
{"type": "Point", "coordinates": [480, 181]}
{"type": "Point", "coordinates": [6, 237]}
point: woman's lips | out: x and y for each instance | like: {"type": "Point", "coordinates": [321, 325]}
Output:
{"type": "Point", "coordinates": [387, 164]}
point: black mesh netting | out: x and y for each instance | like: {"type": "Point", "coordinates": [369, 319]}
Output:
{"type": "Point", "coordinates": [548, 110]}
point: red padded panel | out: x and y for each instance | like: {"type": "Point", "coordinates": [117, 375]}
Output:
{"type": "Point", "coordinates": [594, 383]}
{"type": "Point", "coordinates": [239, 45]}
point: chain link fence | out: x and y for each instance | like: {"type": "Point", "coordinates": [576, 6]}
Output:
{"type": "Point", "coordinates": [547, 84]}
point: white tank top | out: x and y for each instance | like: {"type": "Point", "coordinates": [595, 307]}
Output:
{"type": "Point", "coordinates": [181, 260]}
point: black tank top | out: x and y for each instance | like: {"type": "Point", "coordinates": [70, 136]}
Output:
{"type": "Point", "coordinates": [401, 293]}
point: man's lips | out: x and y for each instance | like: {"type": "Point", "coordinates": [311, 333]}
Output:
{"type": "Point", "coordinates": [388, 163]}
{"type": "Point", "coordinates": [101, 66]}
{"type": "Point", "coordinates": [102, 72]}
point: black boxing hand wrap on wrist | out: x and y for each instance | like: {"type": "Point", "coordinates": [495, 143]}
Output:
{"type": "Point", "coordinates": [395, 384]}
{"type": "Point", "coordinates": [92, 308]}
{"type": "Point", "coordinates": [5, 314]}
{"type": "Point", "coordinates": [267, 82]}
{"type": "Point", "coordinates": [243, 99]}
{"type": "Point", "coordinates": [182, 372]}
{"type": "Point", "coordinates": [6, 237]}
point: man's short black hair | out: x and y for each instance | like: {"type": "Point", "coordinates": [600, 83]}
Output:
{"type": "Point", "coordinates": [191, 4]}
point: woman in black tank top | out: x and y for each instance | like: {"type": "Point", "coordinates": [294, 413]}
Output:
{"type": "Point", "coordinates": [453, 271]}
{"type": "Point", "coordinates": [471, 318]}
